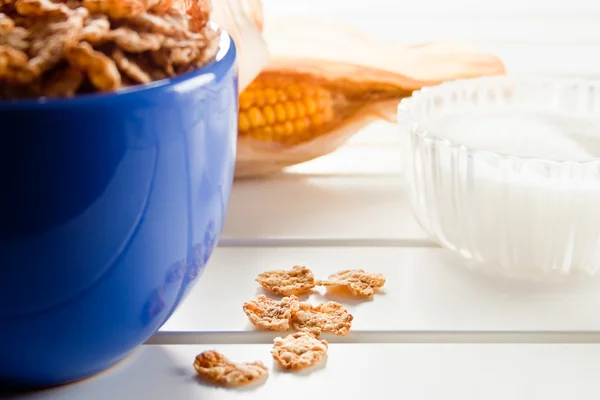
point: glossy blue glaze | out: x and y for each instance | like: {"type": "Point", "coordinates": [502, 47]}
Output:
{"type": "Point", "coordinates": [111, 206]}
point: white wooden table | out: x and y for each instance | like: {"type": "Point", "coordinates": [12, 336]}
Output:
{"type": "Point", "coordinates": [438, 331]}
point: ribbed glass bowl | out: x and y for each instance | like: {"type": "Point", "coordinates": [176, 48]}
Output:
{"type": "Point", "coordinates": [505, 171]}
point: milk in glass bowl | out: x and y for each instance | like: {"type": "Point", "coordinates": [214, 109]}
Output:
{"type": "Point", "coordinates": [505, 171]}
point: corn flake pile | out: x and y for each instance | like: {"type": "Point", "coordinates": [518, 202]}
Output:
{"type": "Point", "coordinates": [304, 348]}
{"type": "Point", "coordinates": [62, 48]}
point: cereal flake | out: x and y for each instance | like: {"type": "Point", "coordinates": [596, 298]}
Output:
{"type": "Point", "coordinates": [328, 317]}
{"type": "Point", "coordinates": [64, 83]}
{"type": "Point", "coordinates": [134, 42]}
{"type": "Point", "coordinates": [357, 281]}
{"type": "Point", "coordinates": [160, 6]}
{"type": "Point", "coordinates": [215, 367]}
{"type": "Point", "coordinates": [51, 41]}
{"type": "Point", "coordinates": [96, 29]}
{"type": "Point", "coordinates": [271, 314]}
{"type": "Point", "coordinates": [110, 43]}
{"type": "Point", "coordinates": [296, 281]}
{"type": "Point", "coordinates": [14, 67]}
{"type": "Point", "coordinates": [6, 24]}
{"type": "Point", "coordinates": [101, 70]}
{"type": "Point", "coordinates": [116, 9]}
{"type": "Point", "coordinates": [298, 350]}
{"type": "Point", "coordinates": [41, 8]}
{"type": "Point", "coordinates": [130, 68]}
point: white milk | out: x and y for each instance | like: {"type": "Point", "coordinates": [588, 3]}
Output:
{"type": "Point", "coordinates": [523, 133]}
{"type": "Point", "coordinates": [537, 218]}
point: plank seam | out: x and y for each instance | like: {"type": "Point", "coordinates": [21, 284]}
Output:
{"type": "Point", "coordinates": [325, 242]}
{"type": "Point", "coordinates": [383, 337]}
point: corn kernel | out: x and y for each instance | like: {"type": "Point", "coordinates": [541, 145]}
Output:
{"type": "Point", "coordinates": [271, 96]}
{"type": "Point", "coordinates": [259, 98]}
{"type": "Point", "coordinates": [295, 92]}
{"type": "Point", "coordinates": [317, 119]}
{"type": "Point", "coordinates": [246, 99]}
{"type": "Point", "coordinates": [280, 111]}
{"type": "Point", "coordinates": [290, 110]}
{"type": "Point", "coordinates": [311, 106]}
{"type": "Point", "coordinates": [256, 118]}
{"type": "Point", "coordinates": [270, 115]}
{"type": "Point", "coordinates": [279, 129]}
{"type": "Point", "coordinates": [300, 109]}
{"type": "Point", "coordinates": [281, 96]}
{"type": "Point", "coordinates": [289, 127]}
{"type": "Point", "coordinates": [301, 124]}
{"type": "Point", "coordinates": [244, 122]}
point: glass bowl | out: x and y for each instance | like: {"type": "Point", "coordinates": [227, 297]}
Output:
{"type": "Point", "coordinates": [505, 171]}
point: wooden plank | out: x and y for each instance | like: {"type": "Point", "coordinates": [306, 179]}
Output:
{"type": "Point", "coordinates": [321, 207]}
{"type": "Point", "coordinates": [427, 290]}
{"type": "Point", "coordinates": [356, 372]}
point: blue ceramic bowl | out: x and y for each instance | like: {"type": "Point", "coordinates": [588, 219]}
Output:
{"type": "Point", "coordinates": [111, 206]}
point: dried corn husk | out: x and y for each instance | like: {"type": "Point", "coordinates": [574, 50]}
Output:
{"type": "Point", "coordinates": [243, 20]}
{"type": "Point", "coordinates": [362, 78]}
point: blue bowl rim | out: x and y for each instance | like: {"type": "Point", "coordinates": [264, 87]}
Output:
{"type": "Point", "coordinates": [218, 67]}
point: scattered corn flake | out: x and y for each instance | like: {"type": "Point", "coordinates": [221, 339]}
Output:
{"type": "Point", "coordinates": [11, 57]}
{"type": "Point", "coordinates": [296, 281]}
{"type": "Point", "coordinates": [271, 314]}
{"type": "Point", "coordinates": [64, 83]}
{"type": "Point", "coordinates": [160, 6]}
{"type": "Point", "coordinates": [184, 56]}
{"type": "Point", "coordinates": [6, 24]}
{"type": "Point", "coordinates": [130, 68]}
{"type": "Point", "coordinates": [162, 57]}
{"type": "Point", "coordinates": [15, 38]}
{"type": "Point", "coordinates": [298, 350]}
{"type": "Point", "coordinates": [146, 63]}
{"type": "Point", "coordinates": [14, 67]}
{"type": "Point", "coordinates": [100, 69]}
{"type": "Point", "coordinates": [148, 4]}
{"type": "Point", "coordinates": [159, 24]}
{"type": "Point", "coordinates": [328, 317]}
{"type": "Point", "coordinates": [72, 4]}
{"type": "Point", "coordinates": [357, 281]}
{"type": "Point", "coordinates": [181, 21]}
{"type": "Point", "coordinates": [41, 8]}
{"type": "Point", "coordinates": [111, 43]}
{"type": "Point", "coordinates": [210, 50]}
{"type": "Point", "coordinates": [134, 42]}
{"type": "Point", "coordinates": [199, 12]}
{"type": "Point", "coordinates": [50, 45]}
{"type": "Point", "coordinates": [183, 43]}
{"type": "Point", "coordinates": [96, 29]}
{"type": "Point", "coordinates": [215, 367]}
{"type": "Point", "coordinates": [117, 9]}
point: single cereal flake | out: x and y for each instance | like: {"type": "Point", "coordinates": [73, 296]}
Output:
{"type": "Point", "coordinates": [357, 281]}
{"type": "Point", "coordinates": [271, 314]}
{"type": "Point", "coordinates": [215, 367]}
{"type": "Point", "coordinates": [328, 317]}
{"type": "Point", "coordinates": [298, 350]}
{"type": "Point", "coordinates": [296, 281]}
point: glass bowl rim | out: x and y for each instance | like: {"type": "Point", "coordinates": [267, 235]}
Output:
{"type": "Point", "coordinates": [404, 116]}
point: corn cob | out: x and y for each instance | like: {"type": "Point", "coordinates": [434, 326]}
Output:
{"type": "Point", "coordinates": [276, 108]}
{"type": "Point", "coordinates": [289, 109]}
